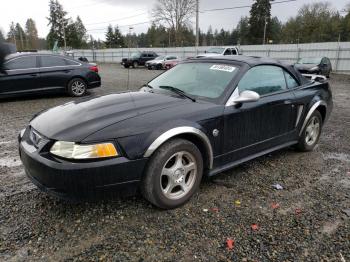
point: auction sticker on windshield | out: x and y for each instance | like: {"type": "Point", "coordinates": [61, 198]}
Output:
{"type": "Point", "coordinates": [224, 68]}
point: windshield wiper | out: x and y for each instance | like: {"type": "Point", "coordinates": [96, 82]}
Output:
{"type": "Point", "coordinates": [178, 91]}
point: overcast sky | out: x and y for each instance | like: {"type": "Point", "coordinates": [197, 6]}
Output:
{"type": "Point", "coordinates": [97, 14]}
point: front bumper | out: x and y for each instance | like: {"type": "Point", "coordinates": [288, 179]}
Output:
{"type": "Point", "coordinates": [80, 180]}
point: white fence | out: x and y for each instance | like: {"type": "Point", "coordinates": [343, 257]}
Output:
{"type": "Point", "coordinates": [339, 53]}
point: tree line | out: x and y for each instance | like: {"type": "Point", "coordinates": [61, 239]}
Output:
{"type": "Point", "coordinates": [171, 26]}
{"type": "Point", "coordinates": [24, 39]}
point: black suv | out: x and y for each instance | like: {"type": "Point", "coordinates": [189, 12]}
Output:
{"type": "Point", "coordinates": [138, 59]}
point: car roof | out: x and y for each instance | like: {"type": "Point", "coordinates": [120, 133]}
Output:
{"type": "Point", "coordinates": [15, 55]}
{"type": "Point", "coordinates": [250, 60]}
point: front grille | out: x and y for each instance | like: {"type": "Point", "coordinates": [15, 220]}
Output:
{"type": "Point", "coordinates": [37, 139]}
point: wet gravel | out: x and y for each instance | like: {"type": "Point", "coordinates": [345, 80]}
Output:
{"type": "Point", "coordinates": [309, 220]}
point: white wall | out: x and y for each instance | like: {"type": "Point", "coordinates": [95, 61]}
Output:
{"type": "Point", "coordinates": [339, 53]}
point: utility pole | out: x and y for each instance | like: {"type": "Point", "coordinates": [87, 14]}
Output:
{"type": "Point", "coordinates": [64, 38]}
{"type": "Point", "coordinates": [264, 40]}
{"type": "Point", "coordinates": [197, 26]}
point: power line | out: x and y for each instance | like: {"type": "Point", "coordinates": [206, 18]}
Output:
{"type": "Point", "coordinates": [243, 6]}
{"type": "Point", "coordinates": [121, 26]}
{"type": "Point", "coordinates": [97, 3]}
{"type": "Point", "coordinates": [203, 11]}
{"type": "Point", "coordinates": [116, 20]}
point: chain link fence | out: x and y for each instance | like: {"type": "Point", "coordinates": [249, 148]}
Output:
{"type": "Point", "coordinates": [338, 53]}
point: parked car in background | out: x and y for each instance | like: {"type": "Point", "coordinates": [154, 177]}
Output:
{"type": "Point", "coordinates": [170, 64]}
{"type": "Point", "coordinates": [217, 51]}
{"type": "Point", "coordinates": [201, 118]}
{"type": "Point", "coordinates": [314, 65]}
{"type": "Point", "coordinates": [29, 73]}
{"type": "Point", "coordinates": [159, 62]}
{"type": "Point", "coordinates": [138, 59]}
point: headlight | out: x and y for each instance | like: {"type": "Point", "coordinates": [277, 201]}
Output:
{"type": "Point", "coordinates": [314, 68]}
{"type": "Point", "coordinates": [74, 151]}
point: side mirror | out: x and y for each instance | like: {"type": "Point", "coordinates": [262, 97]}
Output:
{"type": "Point", "coordinates": [205, 51]}
{"type": "Point", "coordinates": [246, 97]}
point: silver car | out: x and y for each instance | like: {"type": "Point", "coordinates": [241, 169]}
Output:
{"type": "Point", "coordinates": [159, 62]}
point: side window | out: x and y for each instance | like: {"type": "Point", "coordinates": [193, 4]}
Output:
{"type": "Point", "coordinates": [291, 82]}
{"type": "Point", "coordinates": [71, 62]}
{"type": "Point", "coordinates": [51, 61]}
{"type": "Point", "coordinates": [234, 51]}
{"type": "Point", "coordinates": [228, 52]}
{"type": "Point", "coordinates": [263, 80]}
{"type": "Point", "coordinates": [21, 63]}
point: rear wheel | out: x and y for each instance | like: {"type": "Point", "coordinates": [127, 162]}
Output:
{"type": "Point", "coordinates": [173, 174]}
{"type": "Point", "coordinates": [77, 87]}
{"type": "Point", "coordinates": [311, 133]}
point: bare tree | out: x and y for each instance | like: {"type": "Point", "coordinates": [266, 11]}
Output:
{"type": "Point", "coordinates": [176, 14]}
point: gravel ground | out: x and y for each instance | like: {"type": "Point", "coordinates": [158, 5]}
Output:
{"type": "Point", "coordinates": [309, 220]}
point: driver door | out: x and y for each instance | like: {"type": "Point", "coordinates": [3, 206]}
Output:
{"type": "Point", "coordinates": [253, 127]}
{"type": "Point", "coordinates": [22, 75]}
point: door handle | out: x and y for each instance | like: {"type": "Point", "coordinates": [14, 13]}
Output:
{"type": "Point", "coordinates": [288, 102]}
{"type": "Point", "coordinates": [33, 74]}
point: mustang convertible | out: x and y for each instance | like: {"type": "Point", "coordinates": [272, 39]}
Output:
{"type": "Point", "coordinates": [198, 119]}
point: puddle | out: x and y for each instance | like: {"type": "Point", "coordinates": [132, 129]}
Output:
{"type": "Point", "coordinates": [337, 156]}
{"type": "Point", "coordinates": [6, 142]}
{"type": "Point", "coordinates": [10, 162]}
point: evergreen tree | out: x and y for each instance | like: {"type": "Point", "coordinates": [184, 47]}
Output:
{"type": "Point", "coordinates": [76, 34]}
{"type": "Point", "coordinates": [109, 37]}
{"type": "Point", "coordinates": [20, 37]}
{"type": "Point", "coordinates": [58, 23]}
{"type": "Point", "coordinates": [345, 26]}
{"type": "Point", "coordinates": [2, 38]}
{"type": "Point", "coordinates": [243, 31]}
{"type": "Point", "coordinates": [118, 38]}
{"type": "Point", "coordinates": [11, 35]}
{"type": "Point", "coordinates": [32, 34]}
{"type": "Point", "coordinates": [260, 14]}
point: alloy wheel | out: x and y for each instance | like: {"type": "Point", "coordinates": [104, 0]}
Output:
{"type": "Point", "coordinates": [312, 131]}
{"type": "Point", "coordinates": [178, 175]}
{"type": "Point", "coordinates": [78, 88]}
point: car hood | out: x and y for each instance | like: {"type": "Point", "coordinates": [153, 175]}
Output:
{"type": "Point", "coordinates": [76, 120]}
{"type": "Point", "coordinates": [305, 66]}
{"type": "Point", "coordinates": [154, 61]}
{"type": "Point", "coordinates": [207, 55]}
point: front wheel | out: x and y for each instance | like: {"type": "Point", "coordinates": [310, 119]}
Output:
{"type": "Point", "coordinates": [135, 64]}
{"type": "Point", "coordinates": [173, 174]}
{"type": "Point", "coordinates": [311, 133]}
{"type": "Point", "coordinates": [77, 87]}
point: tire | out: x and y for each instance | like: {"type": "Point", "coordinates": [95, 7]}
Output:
{"type": "Point", "coordinates": [126, 66]}
{"type": "Point", "coordinates": [159, 67]}
{"type": "Point", "coordinates": [77, 87]}
{"type": "Point", "coordinates": [170, 182]}
{"type": "Point", "coordinates": [135, 64]}
{"type": "Point", "coordinates": [311, 133]}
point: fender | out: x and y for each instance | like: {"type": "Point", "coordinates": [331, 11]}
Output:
{"type": "Point", "coordinates": [311, 110]}
{"type": "Point", "coordinates": [180, 131]}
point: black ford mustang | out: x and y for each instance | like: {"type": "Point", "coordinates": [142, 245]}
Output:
{"type": "Point", "coordinates": [202, 117]}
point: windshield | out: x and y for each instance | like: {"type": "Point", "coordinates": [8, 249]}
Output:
{"type": "Point", "coordinates": [310, 60]}
{"type": "Point", "coordinates": [135, 55]}
{"type": "Point", "coordinates": [207, 80]}
{"type": "Point", "coordinates": [216, 50]}
{"type": "Point", "coordinates": [160, 58]}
